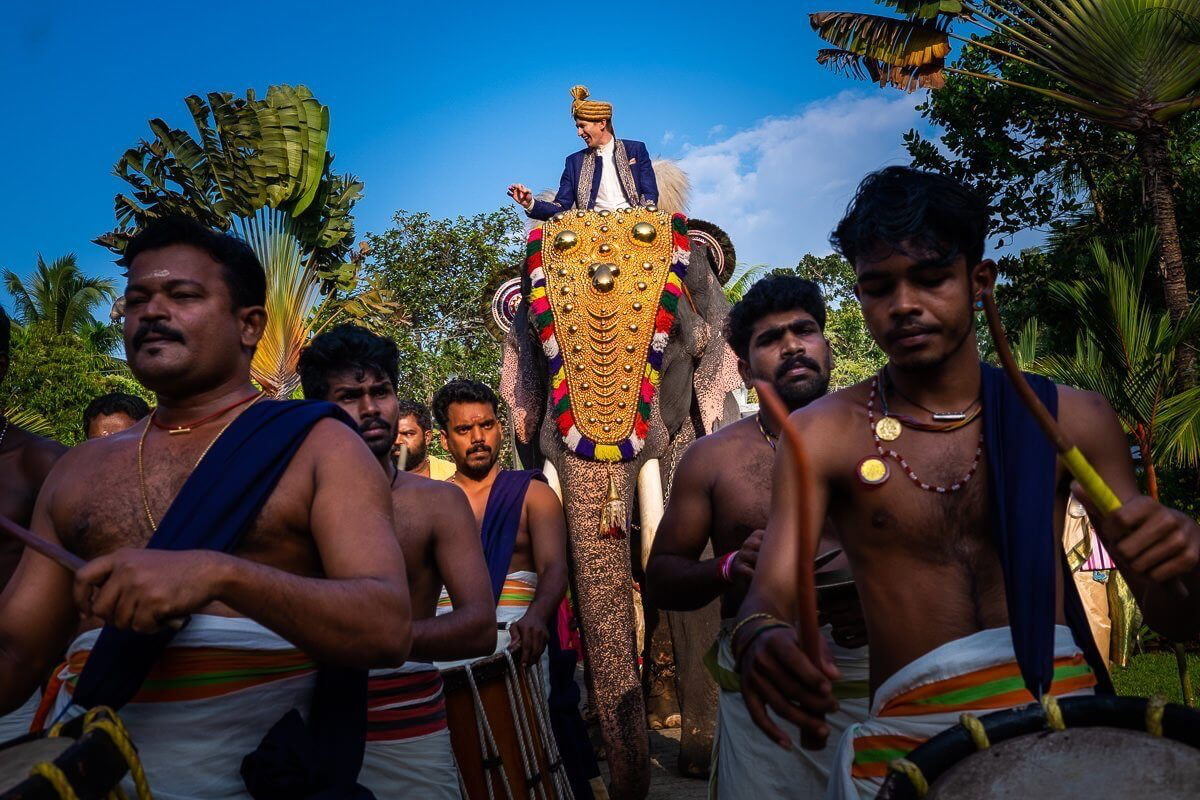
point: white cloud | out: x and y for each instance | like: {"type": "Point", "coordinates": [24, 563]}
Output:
{"type": "Point", "coordinates": [779, 187]}
{"type": "Point", "coordinates": [667, 137]}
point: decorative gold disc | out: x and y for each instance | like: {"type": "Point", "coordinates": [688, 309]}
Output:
{"type": "Point", "coordinates": [888, 429]}
{"type": "Point", "coordinates": [873, 470]}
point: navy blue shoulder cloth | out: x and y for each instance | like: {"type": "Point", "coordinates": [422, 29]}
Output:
{"type": "Point", "coordinates": [1022, 482]}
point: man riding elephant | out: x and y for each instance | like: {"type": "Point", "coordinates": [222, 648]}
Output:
{"type": "Point", "coordinates": [613, 365]}
{"type": "Point", "coordinates": [608, 174]}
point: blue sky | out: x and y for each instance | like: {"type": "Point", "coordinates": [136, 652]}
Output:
{"type": "Point", "coordinates": [437, 107]}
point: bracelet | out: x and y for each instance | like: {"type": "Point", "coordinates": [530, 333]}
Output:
{"type": "Point", "coordinates": [742, 622]}
{"type": "Point", "coordinates": [754, 634]}
{"type": "Point", "coordinates": [726, 566]}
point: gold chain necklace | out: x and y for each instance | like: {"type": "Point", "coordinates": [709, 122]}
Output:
{"type": "Point", "coordinates": [141, 463]}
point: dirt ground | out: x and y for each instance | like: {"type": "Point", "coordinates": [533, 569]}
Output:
{"type": "Point", "coordinates": [665, 780]}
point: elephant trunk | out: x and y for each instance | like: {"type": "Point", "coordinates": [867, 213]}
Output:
{"type": "Point", "coordinates": [602, 584]}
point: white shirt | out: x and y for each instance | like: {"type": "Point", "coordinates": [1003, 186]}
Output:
{"type": "Point", "coordinates": [610, 195]}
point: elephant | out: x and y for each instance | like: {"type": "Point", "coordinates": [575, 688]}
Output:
{"type": "Point", "coordinates": [614, 363]}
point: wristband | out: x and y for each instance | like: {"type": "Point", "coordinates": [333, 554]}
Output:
{"type": "Point", "coordinates": [726, 566]}
{"type": "Point", "coordinates": [733, 634]}
{"type": "Point", "coordinates": [754, 634]}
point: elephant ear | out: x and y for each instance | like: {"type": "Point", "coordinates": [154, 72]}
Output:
{"type": "Point", "coordinates": [523, 383]}
{"type": "Point", "coordinates": [721, 255]}
{"type": "Point", "coordinates": [716, 373]}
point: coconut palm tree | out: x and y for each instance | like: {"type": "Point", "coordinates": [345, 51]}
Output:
{"type": "Point", "coordinates": [262, 169]}
{"type": "Point", "coordinates": [58, 294]}
{"type": "Point", "coordinates": [1126, 352]}
{"type": "Point", "coordinates": [1130, 64]}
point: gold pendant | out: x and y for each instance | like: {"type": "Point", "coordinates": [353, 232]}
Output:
{"type": "Point", "coordinates": [888, 429]}
{"type": "Point", "coordinates": [177, 431]}
{"type": "Point", "coordinates": [873, 470]}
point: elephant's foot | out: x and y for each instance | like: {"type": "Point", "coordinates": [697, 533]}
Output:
{"type": "Point", "coordinates": [662, 704]}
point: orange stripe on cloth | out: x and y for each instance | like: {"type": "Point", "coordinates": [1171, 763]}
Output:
{"type": "Point", "coordinates": [995, 687]}
{"type": "Point", "coordinates": [200, 673]}
{"type": "Point", "coordinates": [872, 754]}
{"type": "Point", "coordinates": [514, 594]}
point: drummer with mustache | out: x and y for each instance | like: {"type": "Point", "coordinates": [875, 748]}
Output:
{"type": "Point", "coordinates": [722, 492]}
{"type": "Point", "coordinates": [948, 500]}
{"type": "Point", "coordinates": [521, 520]}
{"type": "Point", "coordinates": [408, 752]}
{"type": "Point", "coordinates": [242, 560]}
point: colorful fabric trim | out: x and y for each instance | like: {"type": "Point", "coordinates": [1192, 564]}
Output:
{"type": "Point", "coordinates": [201, 673]}
{"type": "Point", "coordinates": [542, 316]}
{"type": "Point", "coordinates": [405, 705]}
{"type": "Point", "coordinates": [515, 594]}
{"type": "Point", "coordinates": [990, 689]}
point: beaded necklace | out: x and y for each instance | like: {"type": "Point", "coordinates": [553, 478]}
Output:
{"type": "Point", "coordinates": [771, 440]}
{"type": "Point", "coordinates": [929, 487]}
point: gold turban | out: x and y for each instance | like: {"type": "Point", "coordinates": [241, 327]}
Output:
{"type": "Point", "coordinates": [588, 110]}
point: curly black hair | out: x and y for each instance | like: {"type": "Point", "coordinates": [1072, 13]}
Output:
{"type": "Point", "coordinates": [418, 411]}
{"type": "Point", "coordinates": [776, 292]}
{"type": "Point", "coordinates": [346, 347]}
{"type": "Point", "coordinates": [240, 267]}
{"type": "Point", "coordinates": [130, 405]}
{"type": "Point", "coordinates": [899, 204]}
{"type": "Point", "coordinates": [461, 391]}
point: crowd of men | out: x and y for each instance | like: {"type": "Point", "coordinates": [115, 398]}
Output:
{"type": "Point", "coordinates": [291, 591]}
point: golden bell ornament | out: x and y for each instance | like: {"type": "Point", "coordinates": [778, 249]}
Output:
{"type": "Point", "coordinates": [613, 515]}
{"type": "Point", "coordinates": [565, 240]}
{"type": "Point", "coordinates": [644, 232]}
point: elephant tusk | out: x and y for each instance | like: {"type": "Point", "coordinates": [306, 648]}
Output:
{"type": "Point", "coordinates": [650, 504]}
{"type": "Point", "coordinates": [552, 478]}
{"type": "Point", "coordinates": [402, 458]}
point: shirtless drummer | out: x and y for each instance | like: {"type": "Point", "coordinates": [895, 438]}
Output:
{"type": "Point", "coordinates": [25, 461]}
{"type": "Point", "coordinates": [722, 492]}
{"type": "Point", "coordinates": [279, 549]}
{"type": "Point", "coordinates": [408, 744]}
{"type": "Point", "coordinates": [907, 465]}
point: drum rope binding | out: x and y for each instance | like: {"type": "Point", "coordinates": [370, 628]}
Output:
{"type": "Point", "coordinates": [1155, 707]}
{"type": "Point", "coordinates": [914, 774]}
{"type": "Point", "coordinates": [103, 719]}
{"type": "Point", "coordinates": [491, 753]}
{"type": "Point", "coordinates": [554, 758]}
{"type": "Point", "coordinates": [516, 704]}
{"type": "Point", "coordinates": [1054, 716]}
{"type": "Point", "coordinates": [975, 728]}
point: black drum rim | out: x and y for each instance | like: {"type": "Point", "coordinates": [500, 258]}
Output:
{"type": "Point", "coordinates": [93, 756]}
{"type": "Point", "coordinates": [951, 746]}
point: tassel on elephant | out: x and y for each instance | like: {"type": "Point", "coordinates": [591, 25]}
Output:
{"type": "Point", "coordinates": [615, 360]}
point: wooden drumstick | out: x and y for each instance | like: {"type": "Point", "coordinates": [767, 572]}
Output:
{"type": "Point", "coordinates": [50, 550]}
{"type": "Point", "coordinates": [1100, 492]}
{"type": "Point", "coordinates": [806, 581]}
{"type": "Point", "coordinates": [64, 558]}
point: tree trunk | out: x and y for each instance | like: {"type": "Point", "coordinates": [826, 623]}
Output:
{"type": "Point", "coordinates": [1159, 179]}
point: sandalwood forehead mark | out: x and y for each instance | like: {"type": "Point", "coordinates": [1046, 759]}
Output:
{"type": "Point", "coordinates": [160, 273]}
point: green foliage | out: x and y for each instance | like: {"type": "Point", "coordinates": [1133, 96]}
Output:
{"type": "Point", "coordinates": [441, 268]}
{"type": "Point", "coordinates": [54, 376]}
{"type": "Point", "coordinates": [58, 295]}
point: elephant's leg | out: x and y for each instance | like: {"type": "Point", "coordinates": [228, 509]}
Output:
{"type": "Point", "coordinates": [603, 591]}
{"type": "Point", "coordinates": [692, 634]}
{"type": "Point", "coordinates": [662, 704]}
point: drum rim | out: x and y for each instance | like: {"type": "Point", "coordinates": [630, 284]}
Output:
{"type": "Point", "coordinates": [92, 747]}
{"type": "Point", "coordinates": [952, 746]}
{"type": "Point", "coordinates": [484, 669]}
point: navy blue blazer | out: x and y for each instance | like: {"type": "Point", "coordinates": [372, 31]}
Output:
{"type": "Point", "coordinates": [639, 167]}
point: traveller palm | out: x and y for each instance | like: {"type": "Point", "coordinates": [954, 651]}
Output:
{"type": "Point", "coordinates": [262, 169]}
{"type": "Point", "coordinates": [1130, 64]}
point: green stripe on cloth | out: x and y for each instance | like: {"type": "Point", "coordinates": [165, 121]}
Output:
{"type": "Point", "coordinates": [997, 687]}
{"type": "Point", "coordinates": [885, 755]}
{"type": "Point", "coordinates": [214, 678]}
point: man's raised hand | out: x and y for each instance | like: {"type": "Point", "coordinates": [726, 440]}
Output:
{"type": "Point", "coordinates": [521, 193]}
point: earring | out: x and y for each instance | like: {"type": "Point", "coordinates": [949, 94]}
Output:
{"type": "Point", "coordinates": [979, 304]}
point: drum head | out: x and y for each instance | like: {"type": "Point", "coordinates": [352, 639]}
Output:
{"type": "Point", "coordinates": [1075, 764]}
{"type": "Point", "coordinates": [16, 760]}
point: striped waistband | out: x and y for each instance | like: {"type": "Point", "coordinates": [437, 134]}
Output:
{"type": "Point", "coordinates": [514, 594]}
{"type": "Point", "coordinates": [201, 673]}
{"type": "Point", "coordinates": [991, 689]}
{"type": "Point", "coordinates": [405, 705]}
